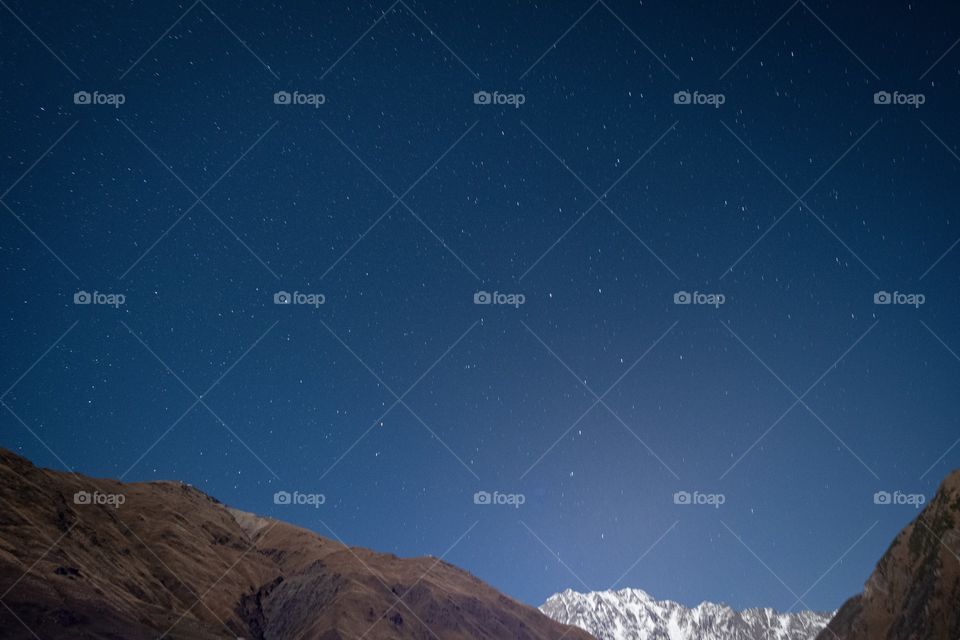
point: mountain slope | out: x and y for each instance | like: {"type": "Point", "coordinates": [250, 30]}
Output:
{"type": "Point", "coordinates": [914, 593]}
{"type": "Point", "coordinates": [172, 562]}
{"type": "Point", "coordinates": [631, 614]}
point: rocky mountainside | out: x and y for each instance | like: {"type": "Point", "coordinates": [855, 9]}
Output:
{"type": "Point", "coordinates": [86, 558]}
{"type": "Point", "coordinates": [631, 614]}
{"type": "Point", "coordinates": [914, 593]}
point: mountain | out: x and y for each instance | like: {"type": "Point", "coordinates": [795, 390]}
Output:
{"type": "Point", "coordinates": [914, 593]}
{"type": "Point", "coordinates": [631, 614]}
{"type": "Point", "coordinates": [86, 558]}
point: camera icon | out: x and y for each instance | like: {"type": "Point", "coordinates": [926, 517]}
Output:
{"type": "Point", "coordinates": [882, 497]}
{"type": "Point", "coordinates": [682, 97]}
{"type": "Point", "coordinates": [82, 497]}
{"type": "Point", "coordinates": [682, 297]}
{"type": "Point", "coordinates": [482, 497]}
{"type": "Point", "coordinates": [482, 97]}
{"type": "Point", "coordinates": [882, 297]}
{"type": "Point", "coordinates": [82, 297]}
{"type": "Point", "coordinates": [482, 297]}
{"type": "Point", "coordinates": [82, 97]}
{"type": "Point", "coordinates": [282, 97]}
{"type": "Point", "coordinates": [282, 297]}
{"type": "Point", "coordinates": [682, 497]}
{"type": "Point", "coordinates": [882, 97]}
{"type": "Point", "coordinates": [282, 497]}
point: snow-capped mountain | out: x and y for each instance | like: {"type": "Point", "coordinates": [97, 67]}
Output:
{"type": "Point", "coordinates": [632, 614]}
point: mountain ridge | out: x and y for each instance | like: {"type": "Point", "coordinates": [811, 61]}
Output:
{"type": "Point", "coordinates": [86, 558]}
{"type": "Point", "coordinates": [914, 591]}
{"type": "Point", "coordinates": [633, 614]}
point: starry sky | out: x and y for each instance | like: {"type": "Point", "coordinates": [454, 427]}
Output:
{"type": "Point", "coordinates": [151, 157]}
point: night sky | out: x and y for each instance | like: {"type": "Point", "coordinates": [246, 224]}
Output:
{"type": "Point", "coordinates": [584, 187]}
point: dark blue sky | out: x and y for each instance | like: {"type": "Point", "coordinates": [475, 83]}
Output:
{"type": "Point", "coordinates": [399, 198]}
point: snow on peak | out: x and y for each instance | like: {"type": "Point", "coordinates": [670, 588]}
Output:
{"type": "Point", "coordinates": [633, 614]}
